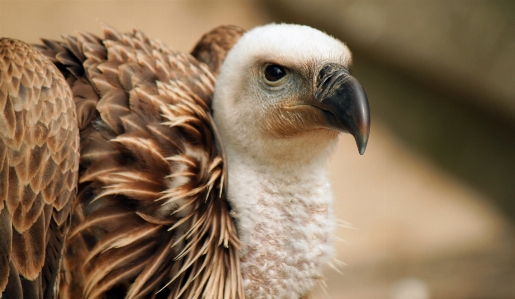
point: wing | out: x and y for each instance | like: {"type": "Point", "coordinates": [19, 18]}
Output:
{"type": "Point", "coordinates": [150, 220]}
{"type": "Point", "coordinates": [39, 145]}
{"type": "Point", "coordinates": [215, 44]}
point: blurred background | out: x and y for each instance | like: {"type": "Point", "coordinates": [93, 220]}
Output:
{"type": "Point", "coordinates": [429, 210]}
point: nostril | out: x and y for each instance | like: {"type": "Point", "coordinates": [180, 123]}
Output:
{"type": "Point", "coordinates": [327, 77]}
{"type": "Point", "coordinates": [322, 90]}
{"type": "Point", "coordinates": [325, 81]}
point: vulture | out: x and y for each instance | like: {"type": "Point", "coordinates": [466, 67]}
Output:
{"type": "Point", "coordinates": [131, 170]}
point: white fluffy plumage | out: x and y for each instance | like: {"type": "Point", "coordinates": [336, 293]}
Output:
{"type": "Point", "coordinates": [278, 189]}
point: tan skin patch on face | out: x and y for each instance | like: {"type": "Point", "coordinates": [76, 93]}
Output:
{"type": "Point", "coordinates": [294, 115]}
{"type": "Point", "coordinates": [286, 121]}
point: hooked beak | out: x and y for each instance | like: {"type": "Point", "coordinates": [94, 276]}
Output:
{"type": "Point", "coordinates": [344, 103]}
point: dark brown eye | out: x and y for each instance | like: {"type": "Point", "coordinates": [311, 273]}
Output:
{"type": "Point", "coordinates": [274, 72]}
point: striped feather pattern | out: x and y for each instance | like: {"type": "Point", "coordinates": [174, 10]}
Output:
{"type": "Point", "coordinates": [150, 220]}
{"type": "Point", "coordinates": [39, 144]}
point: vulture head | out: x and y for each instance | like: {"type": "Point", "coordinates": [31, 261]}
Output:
{"type": "Point", "coordinates": [283, 96]}
{"type": "Point", "coordinates": [284, 93]}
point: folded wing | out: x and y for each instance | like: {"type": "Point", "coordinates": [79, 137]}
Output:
{"type": "Point", "coordinates": [39, 159]}
{"type": "Point", "coordinates": [150, 219]}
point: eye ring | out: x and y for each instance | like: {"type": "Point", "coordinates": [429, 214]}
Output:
{"type": "Point", "coordinates": [274, 73]}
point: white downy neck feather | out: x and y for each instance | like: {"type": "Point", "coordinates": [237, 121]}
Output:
{"type": "Point", "coordinates": [278, 187]}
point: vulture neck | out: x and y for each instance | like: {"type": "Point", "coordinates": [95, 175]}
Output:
{"type": "Point", "coordinates": [283, 213]}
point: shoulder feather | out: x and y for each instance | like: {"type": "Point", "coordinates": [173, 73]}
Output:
{"type": "Point", "coordinates": [213, 47]}
{"type": "Point", "coordinates": [149, 220]}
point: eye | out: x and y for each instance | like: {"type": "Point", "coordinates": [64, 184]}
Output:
{"type": "Point", "coordinates": [274, 73]}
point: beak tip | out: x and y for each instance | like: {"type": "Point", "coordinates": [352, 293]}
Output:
{"type": "Point", "coordinates": [362, 132]}
{"type": "Point", "coordinates": [346, 103]}
{"type": "Point", "coordinates": [362, 144]}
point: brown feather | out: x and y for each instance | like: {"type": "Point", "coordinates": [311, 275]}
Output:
{"type": "Point", "coordinates": [150, 219]}
{"type": "Point", "coordinates": [39, 145]}
{"type": "Point", "coordinates": [148, 209]}
{"type": "Point", "coordinates": [5, 246]}
{"type": "Point", "coordinates": [214, 46]}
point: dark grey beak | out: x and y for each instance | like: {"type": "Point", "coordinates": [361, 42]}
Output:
{"type": "Point", "coordinates": [344, 102]}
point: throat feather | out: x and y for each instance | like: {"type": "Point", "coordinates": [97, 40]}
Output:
{"type": "Point", "coordinates": [286, 225]}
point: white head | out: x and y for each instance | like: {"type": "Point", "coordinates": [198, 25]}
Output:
{"type": "Point", "coordinates": [270, 99]}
